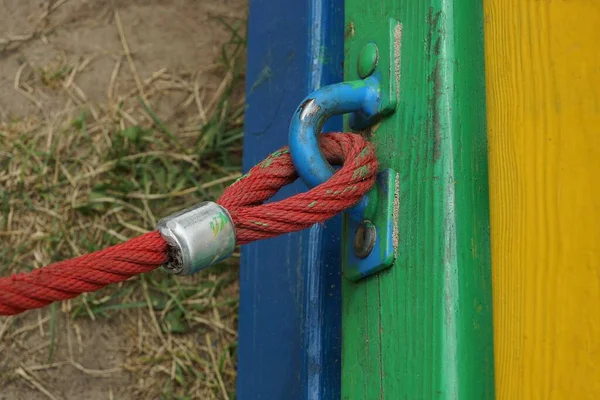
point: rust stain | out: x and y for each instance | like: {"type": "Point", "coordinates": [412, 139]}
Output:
{"type": "Point", "coordinates": [349, 31]}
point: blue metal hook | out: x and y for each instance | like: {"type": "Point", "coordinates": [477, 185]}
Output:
{"type": "Point", "coordinates": [361, 97]}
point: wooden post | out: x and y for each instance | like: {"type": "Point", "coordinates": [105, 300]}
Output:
{"type": "Point", "coordinates": [423, 328]}
{"type": "Point", "coordinates": [289, 324]}
{"type": "Point", "coordinates": [543, 90]}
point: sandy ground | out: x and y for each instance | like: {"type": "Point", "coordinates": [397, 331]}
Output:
{"type": "Point", "coordinates": [39, 35]}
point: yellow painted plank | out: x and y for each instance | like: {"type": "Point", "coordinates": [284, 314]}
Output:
{"type": "Point", "coordinates": [543, 100]}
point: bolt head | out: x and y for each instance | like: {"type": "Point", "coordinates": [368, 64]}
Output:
{"type": "Point", "coordinates": [367, 60]}
{"type": "Point", "coordinates": [364, 239]}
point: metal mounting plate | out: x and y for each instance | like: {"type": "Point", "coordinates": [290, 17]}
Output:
{"type": "Point", "coordinates": [383, 200]}
{"type": "Point", "coordinates": [384, 214]}
{"type": "Point", "coordinates": [387, 39]}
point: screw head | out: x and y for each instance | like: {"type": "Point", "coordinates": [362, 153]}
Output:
{"type": "Point", "coordinates": [364, 239]}
{"type": "Point", "coordinates": [367, 59]}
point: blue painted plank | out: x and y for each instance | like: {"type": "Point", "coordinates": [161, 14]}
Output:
{"type": "Point", "coordinates": [290, 323]}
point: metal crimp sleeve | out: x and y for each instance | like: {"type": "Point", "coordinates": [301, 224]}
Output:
{"type": "Point", "coordinates": [198, 237]}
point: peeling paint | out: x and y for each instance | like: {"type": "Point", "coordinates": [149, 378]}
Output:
{"type": "Point", "coordinates": [395, 214]}
{"type": "Point", "coordinates": [264, 75]}
{"type": "Point", "coordinates": [349, 31]}
{"type": "Point", "coordinates": [397, 58]}
{"type": "Point", "coordinates": [309, 108]}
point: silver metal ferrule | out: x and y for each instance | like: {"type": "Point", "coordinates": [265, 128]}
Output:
{"type": "Point", "coordinates": [198, 237]}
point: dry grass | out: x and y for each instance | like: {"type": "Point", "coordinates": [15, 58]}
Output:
{"type": "Point", "coordinates": [91, 175]}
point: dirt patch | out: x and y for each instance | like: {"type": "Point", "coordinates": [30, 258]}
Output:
{"type": "Point", "coordinates": [78, 77]}
{"type": "Point", "coordinates": [172, 34]}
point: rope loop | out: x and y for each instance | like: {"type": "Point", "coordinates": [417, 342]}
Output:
{"type": "Point", "coordinates": [245, 200]}
{"type": "Point", "coordinates": [255, 220]}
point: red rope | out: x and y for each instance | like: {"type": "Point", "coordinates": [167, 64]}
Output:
{"type": "Point", "coordinates": [254, 220]}
{"type": "Point", "coordinates": [244, 201]}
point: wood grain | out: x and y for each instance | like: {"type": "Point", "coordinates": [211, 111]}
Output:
{"type": "Point", "coordinates": [543, 100]}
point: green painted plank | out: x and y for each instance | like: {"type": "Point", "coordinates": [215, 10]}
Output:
{"type": "Point", "coordinates": [423, 328]}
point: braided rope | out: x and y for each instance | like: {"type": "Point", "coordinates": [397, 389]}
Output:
{"type": "Point", "coordinates": [244, 200]}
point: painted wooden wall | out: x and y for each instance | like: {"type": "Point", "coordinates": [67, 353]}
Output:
{"type": "Point", "coordinates": [543, 102]}
{"type": "Point", "coordinates": [289, 317]}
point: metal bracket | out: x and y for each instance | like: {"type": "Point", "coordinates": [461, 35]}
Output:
{"type": "Point", "coordinates": [379, 57]}
{"type": "Point", "coordinates": [371, 95]}
{"type": "Point", "coordinates": [383, 201]}
{"type": "Point", "coordinates": [377, 234]}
